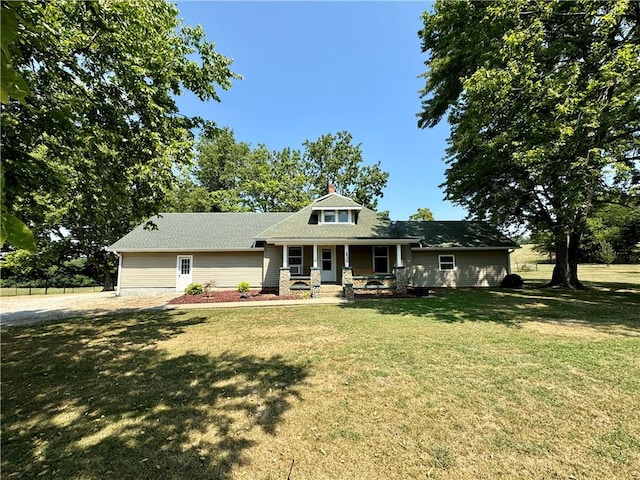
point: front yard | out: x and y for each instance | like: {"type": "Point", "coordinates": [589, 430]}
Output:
{"type": "Point", "coordinates": [531, 384]}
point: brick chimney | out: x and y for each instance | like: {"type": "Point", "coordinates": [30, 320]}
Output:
{"type": "Point", "coordinates": [332, 188]}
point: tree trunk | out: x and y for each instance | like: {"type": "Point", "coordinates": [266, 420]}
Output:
{"type": "Point", "coordinates": [574, 247]}
{"type": "Point", "coordinates": [561, 272]}
{"type": "Point", "coordinates": [108, 280]}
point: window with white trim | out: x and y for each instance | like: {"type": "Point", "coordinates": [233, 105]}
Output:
{"type": "Point", "coordinates": [337, 216]}
{"type": "Point", "coordinates": [381, 259]}
{"type": "Point", "coordinates": [295, 260]}
{"type": "Point", "coordinates": [446, 262]}
{"type": "Point", "coordinates": [329, 216]}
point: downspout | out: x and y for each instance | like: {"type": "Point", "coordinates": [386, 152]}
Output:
{"type": "Point", "coordinates": [509, 252]}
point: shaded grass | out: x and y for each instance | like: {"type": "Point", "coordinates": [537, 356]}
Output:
{"type": "Point", "coordinates": [472, 384]}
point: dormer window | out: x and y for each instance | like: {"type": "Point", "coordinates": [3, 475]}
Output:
{"type": "Point", "coordinates": [337, 216]}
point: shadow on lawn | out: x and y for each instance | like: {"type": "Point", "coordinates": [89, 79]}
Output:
{"type": "Point", "coordinates": [97, 398]}
{"type": "Point", "coordinates": [607, 305]}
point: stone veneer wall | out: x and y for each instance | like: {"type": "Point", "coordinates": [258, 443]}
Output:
{"type": "Point", "coordinates": [401, 279]}
{"type": "Point", "coordinates": [284, 286]}
{"type": "Point", "coordinates": [347, 275]}
{"type": "Point", "coordinates": [316, 281]}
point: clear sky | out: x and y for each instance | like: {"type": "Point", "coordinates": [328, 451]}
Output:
{"type": "Point", "coordinates": [312, 68]}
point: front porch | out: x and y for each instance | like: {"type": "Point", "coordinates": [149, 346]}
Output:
{"type": "Point", "coordinates": [356, 268]}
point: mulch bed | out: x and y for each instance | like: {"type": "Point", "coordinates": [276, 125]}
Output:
{"type": "Point", "coordinates": [231, 296]}
{"type": "Point", "coordinates": [261, 296]}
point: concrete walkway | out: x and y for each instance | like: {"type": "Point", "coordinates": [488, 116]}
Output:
{"type": "Point", "coordinates": [266, 303]}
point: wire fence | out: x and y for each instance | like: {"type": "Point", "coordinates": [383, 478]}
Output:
{"type": "Point", "coordinates": [37, 290]}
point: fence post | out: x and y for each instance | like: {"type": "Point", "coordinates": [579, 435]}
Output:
{"type": "Point", "coordinates": [29, 289]}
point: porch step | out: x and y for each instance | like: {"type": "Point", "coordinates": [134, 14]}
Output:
{"type": "Point", "coordinates": [331, 291]}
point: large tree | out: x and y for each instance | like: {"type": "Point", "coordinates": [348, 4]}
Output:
{"type": "Point", "coordinates": [334, 159]}
{"type": "Point", "coordinates": [543, 101]}
{"type": "Point", "coordinates": [90, 150]}
{"type": "Point", "coordinates": [228, 175]}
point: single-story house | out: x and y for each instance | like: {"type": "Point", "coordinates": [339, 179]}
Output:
{"type": "Point", "coordinates": [334, 240]}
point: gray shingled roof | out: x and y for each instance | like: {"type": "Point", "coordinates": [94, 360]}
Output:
{"type": "Point", "coordinates": [455, 234]}
{"type": "Point", "coordinates": [335, 200]}
{"type": "Point", "coordinates": [298, 226]}
{"type": "Point", "coordinates": [199, 231]}
{"type": "Point", "coordinates": [229, 231]}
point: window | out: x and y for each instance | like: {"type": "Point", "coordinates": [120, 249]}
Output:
{"type": "Point", "coordinates": [336, 216]}
{"type": "Point", "coordinates": [295, 260]}
{"type": "Point", "coordinates": [447, 262]}
{"type": "Point", "coordinates": [381, 259]}
{"type": "Point", "coordinates": [185, 266]}
{"type": "Point", "coordinates": [329, 216]}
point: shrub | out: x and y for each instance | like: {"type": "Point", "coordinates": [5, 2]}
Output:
{"type": "Point", "coordinates": [193, 289]}
{"type": "Point", "coordinates": [208, 286]}
{"type": "Point", "coordinates": [512, 281]}
{"type": "Point", "coordinates": [243, 287]}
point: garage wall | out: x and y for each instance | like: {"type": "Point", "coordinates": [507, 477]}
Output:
{"type": "Point", "coordinates": [484, 268]}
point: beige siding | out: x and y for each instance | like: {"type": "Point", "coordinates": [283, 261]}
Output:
{"type": "Point", "coordinates": [148, 270]}
{"type": "Point", "coordinates": [158, 270]}
{"type": "Point", "coordinates": [228, 269]}
{"type": "Point", "coordinates": [484, 268]}
{"type": "Point", "coordinates": [360, 257]}
{"type": "Point", "coordinates": [271, 264]}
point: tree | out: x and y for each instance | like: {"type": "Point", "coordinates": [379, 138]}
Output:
{"type": "Point", "coordinates": [607, 253]}
{"type": "Point", "coordinates": [333, 159]}
{"type": "Point", "coordinates": [542, 98]}
{"type": "Point", "coordinates": [232, 176]}
{"type": "Point", "coordinates": [422, 215]}
{"type": "Point", "coordinates": [90, 152]}
{"type": "Point", "coordinates": [12, 85]}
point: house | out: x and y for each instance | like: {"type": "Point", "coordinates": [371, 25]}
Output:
{"type": "Point", "coordinates": [334, 240]}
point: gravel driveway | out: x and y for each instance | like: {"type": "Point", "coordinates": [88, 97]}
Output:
{"type": "Point", "coordinates": [27, 310]}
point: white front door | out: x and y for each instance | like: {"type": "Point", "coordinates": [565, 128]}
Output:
{"type": "Point", "coordinates": [328, 264]}
{"type": "Point", "coordinates": [184, 272]}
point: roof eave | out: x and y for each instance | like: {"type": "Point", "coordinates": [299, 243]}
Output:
{"type": "Point", "coordinates": [182, 250]}
{"type": "Point", "coordinates": [444, 247]}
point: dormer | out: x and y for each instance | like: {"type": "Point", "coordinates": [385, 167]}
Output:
{"type": "Point", "coordinates": [334, 209]}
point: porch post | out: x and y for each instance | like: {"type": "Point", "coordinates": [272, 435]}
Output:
{"type": "Point", "coordinates": [285, 256]}
{"type": "Point", "coordinates": [399, 255]}
{"type": "Point", "coordinates": [346, 255]}
{"type": "Point", "coordinates": [315, 255]}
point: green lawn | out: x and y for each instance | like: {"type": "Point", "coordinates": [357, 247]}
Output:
{"type": "Point", "coordinates": [532, 384]}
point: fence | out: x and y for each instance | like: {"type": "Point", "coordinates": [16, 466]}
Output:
{"type": "Point", "coordinates": [36, 290]}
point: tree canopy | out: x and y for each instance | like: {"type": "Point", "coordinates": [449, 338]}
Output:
{"type": "Point", "coordinates": [89, 151]}
{"type": "Point", "coordinates": [228, 175]}
{"type": "Point", "coordinates": [422, 215]}
{"type": "Point", "coordinates": [543, 101]}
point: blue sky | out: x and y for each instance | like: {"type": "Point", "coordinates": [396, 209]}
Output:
{"type": "Point", "coordinates": [312, 68]}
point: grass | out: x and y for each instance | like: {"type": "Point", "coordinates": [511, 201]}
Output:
{"type": "Point", "coordinates": [21, 291]}
{"type": "Point", "coordinates": [533, 384]}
